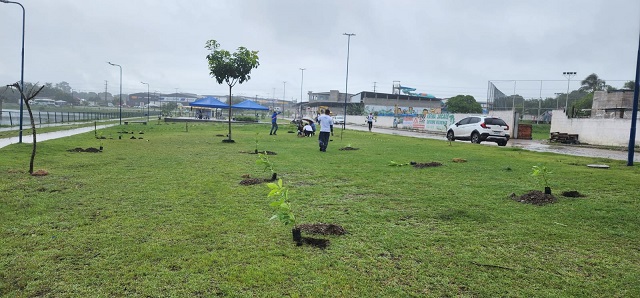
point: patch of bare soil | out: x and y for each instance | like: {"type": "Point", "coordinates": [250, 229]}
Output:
{"type": "Point", "coordinates": [315, 242]}
{"type": "Point", "coordinates": [251, 181]}
{"type": "Point", "coordinates": [348, 148]}
{"type": "Point", "coordinates": [535, 197]}
{"type": "Point", "coordinates": [90, 149]}
{"type": "Point", "coordinates": [420, 165]}
{"type": "Point", "coordinates": [572, 194]}
{"type": "Point", "coordinates": [267, 152]}
{"type": "Point", "coordinates": [40, 173]}
{"type": "Point", "coordinates": [322, 229]}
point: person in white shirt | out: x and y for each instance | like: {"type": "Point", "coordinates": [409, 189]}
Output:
{"type": "Point", "coordinates": [326, 128]}
{"type": "Point", "coordinates": [308, 130]}
{"type": "Point", "coordinates": [370, 120]}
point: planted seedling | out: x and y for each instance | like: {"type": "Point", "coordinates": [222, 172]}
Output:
{"type": "Point", "coordinates": [256, 143]}
{"type": "Point", "coordinates": [542, 174]}
{"type": "Point", "coordinates": [263, 159]}
{"type": "Point", "coordinates": [282, 207]}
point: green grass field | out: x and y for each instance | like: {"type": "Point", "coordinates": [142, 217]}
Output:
{"type": "Point", "coordinates": [164, 215]}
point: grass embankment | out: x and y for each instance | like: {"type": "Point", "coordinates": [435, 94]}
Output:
{"type": "Point", "coordinates": [165, 216]}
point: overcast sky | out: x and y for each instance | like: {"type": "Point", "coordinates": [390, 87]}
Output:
{"type": "Point", "coordinates": [441, 47]}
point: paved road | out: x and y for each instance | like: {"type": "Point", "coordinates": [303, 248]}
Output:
{"type": "Point", "coordinates": [531, 145]}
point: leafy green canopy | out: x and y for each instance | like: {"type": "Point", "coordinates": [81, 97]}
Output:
{"type": "Point", "coordinates": [463, 104]}
{"type": "Point", "coordinates": [230, 68]}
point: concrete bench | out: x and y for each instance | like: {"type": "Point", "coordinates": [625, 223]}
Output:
{"type": "Point", "coordinates": [139, 122]}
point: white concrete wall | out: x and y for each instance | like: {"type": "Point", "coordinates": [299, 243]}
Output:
{"type": "Point", "coordinates": [600, 131]}
{"type": "Point", "coordinates": [387, 121]}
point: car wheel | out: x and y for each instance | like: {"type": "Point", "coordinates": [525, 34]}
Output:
{"type": "Point", "coordinates": [502, 143]}
{"type": "Point", "coordinates": [475, 138]}
{"type": "Point", "coordinates": [450, 136]}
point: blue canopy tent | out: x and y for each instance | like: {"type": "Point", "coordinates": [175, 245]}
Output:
{"type": "Point", "coordinates": [205, 105]}
{"type": "Point", "coordinates": [249, 105]}
{"type": "Point", "coordinates": [209, 102]}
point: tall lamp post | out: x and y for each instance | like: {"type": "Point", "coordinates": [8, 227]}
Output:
{"type": "Point", "coordinates": [21, 69]}
{"type": "Point", "coordinates": [148, 93]}
{"type": "Point", "coordinates": [346, 84]}
{"type": "Point", "coordinates": [301, 83]}
{"type": "Point", "coordinates": [113, 64]}
{"type": "Point", "coordinates": [284, 90]}
{"type": "Point", "coordinates": [568, 75]}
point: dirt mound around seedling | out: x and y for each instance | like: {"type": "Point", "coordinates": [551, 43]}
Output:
{"type": "Point", "coordinates": [40, 173]}
{"type": "Point", "coordinates": [323, 229]}
{"type": "Point", "coordinates": [348, 148]}
{"type": "Point", "coordinates": [251, 181]}
{"type": "Point", "coordinates": [572, 194]}
{"type": "Point", "coordinates": [262, 152]}
{"type": "Point", "coordinates": [90, 149]}
{"type": "Point", "coordinates": [420, 165]}
{"type": "Point", "coordinates": [535, 197]}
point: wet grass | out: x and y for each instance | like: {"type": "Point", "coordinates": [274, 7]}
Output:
{"type": "Point", "coordinates": [165, 215]}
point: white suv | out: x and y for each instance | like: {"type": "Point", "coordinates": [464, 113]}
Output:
{"type": "Point", "coordinates": [480, 128]}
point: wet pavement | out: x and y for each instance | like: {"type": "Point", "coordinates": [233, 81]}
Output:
{"type": "Point", "coordinates": [531, 145]}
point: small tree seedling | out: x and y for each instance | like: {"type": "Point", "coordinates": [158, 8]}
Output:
{"type": "Point", "coordinates": [542, 174]}
{"type": "Point", "coordinates": [280, 196]}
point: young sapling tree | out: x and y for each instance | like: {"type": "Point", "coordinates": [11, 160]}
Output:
{"type": "Point", "coordinates": [542, 174]}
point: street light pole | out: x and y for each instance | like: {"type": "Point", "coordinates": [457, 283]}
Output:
{"type": "Point", "coordinates": [568, 75]}
{"type": "Point", "coordinates": [148, 93]}
{"type": "Point", "coordinates": [346, 84]}
{"type": "Point", "coordinates": [21, 69]}
{"type": "Point", "coordinates": [301, 93]}
{"type": "Point", "coordinates": [113, 64]}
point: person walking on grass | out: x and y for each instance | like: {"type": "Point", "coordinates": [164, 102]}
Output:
{"type": "Point", "coordinates": [370, 121]}
{"type": "Point", "coordinates": [274, 123]}
{"type": "Point", "coordinates": [326, 128]}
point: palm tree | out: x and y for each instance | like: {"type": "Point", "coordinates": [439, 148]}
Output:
{"type": "Point", "coordinates": [592, 83]}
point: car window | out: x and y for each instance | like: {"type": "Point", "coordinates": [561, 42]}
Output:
{"type": "Point", "coordinates": [464, 121]}
{"type": "Point", "coordinates": [474, 120]}
{"type": "Point", "coordinates": [495, 121]}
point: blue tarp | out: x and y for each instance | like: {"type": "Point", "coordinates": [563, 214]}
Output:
{"type": "Point", "coordinates": [209, 102]}
{"type": "Point", "coordinates": [249, 105]}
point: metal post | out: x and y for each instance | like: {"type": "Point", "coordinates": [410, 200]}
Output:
{"type": "Point", "coordinates": [568, 75]}
{"type": "Point", "coordinates": [346, 84]}
{"type": "Point", "coordinates": [21, 69]}
{"type": "Point", "coordinates": [113, 64]}
{"type": "Point", "coordinates": [301, 92]}
{"type": "Point", "coordinates": [634, 113]}
{"type": "Point", "coordinates": [148, 95]}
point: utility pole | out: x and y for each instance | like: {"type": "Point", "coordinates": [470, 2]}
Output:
{"type": "Point", "coordinates": [284, 90]}
{"type": "Point", "coordinates": [374, 86]}
{"type": "Point", "coordinates": [568, 75]}
{"type": "Point", "coordinates": [346, 83]}
{"type": "Point", "coordinates": [301, 84]}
